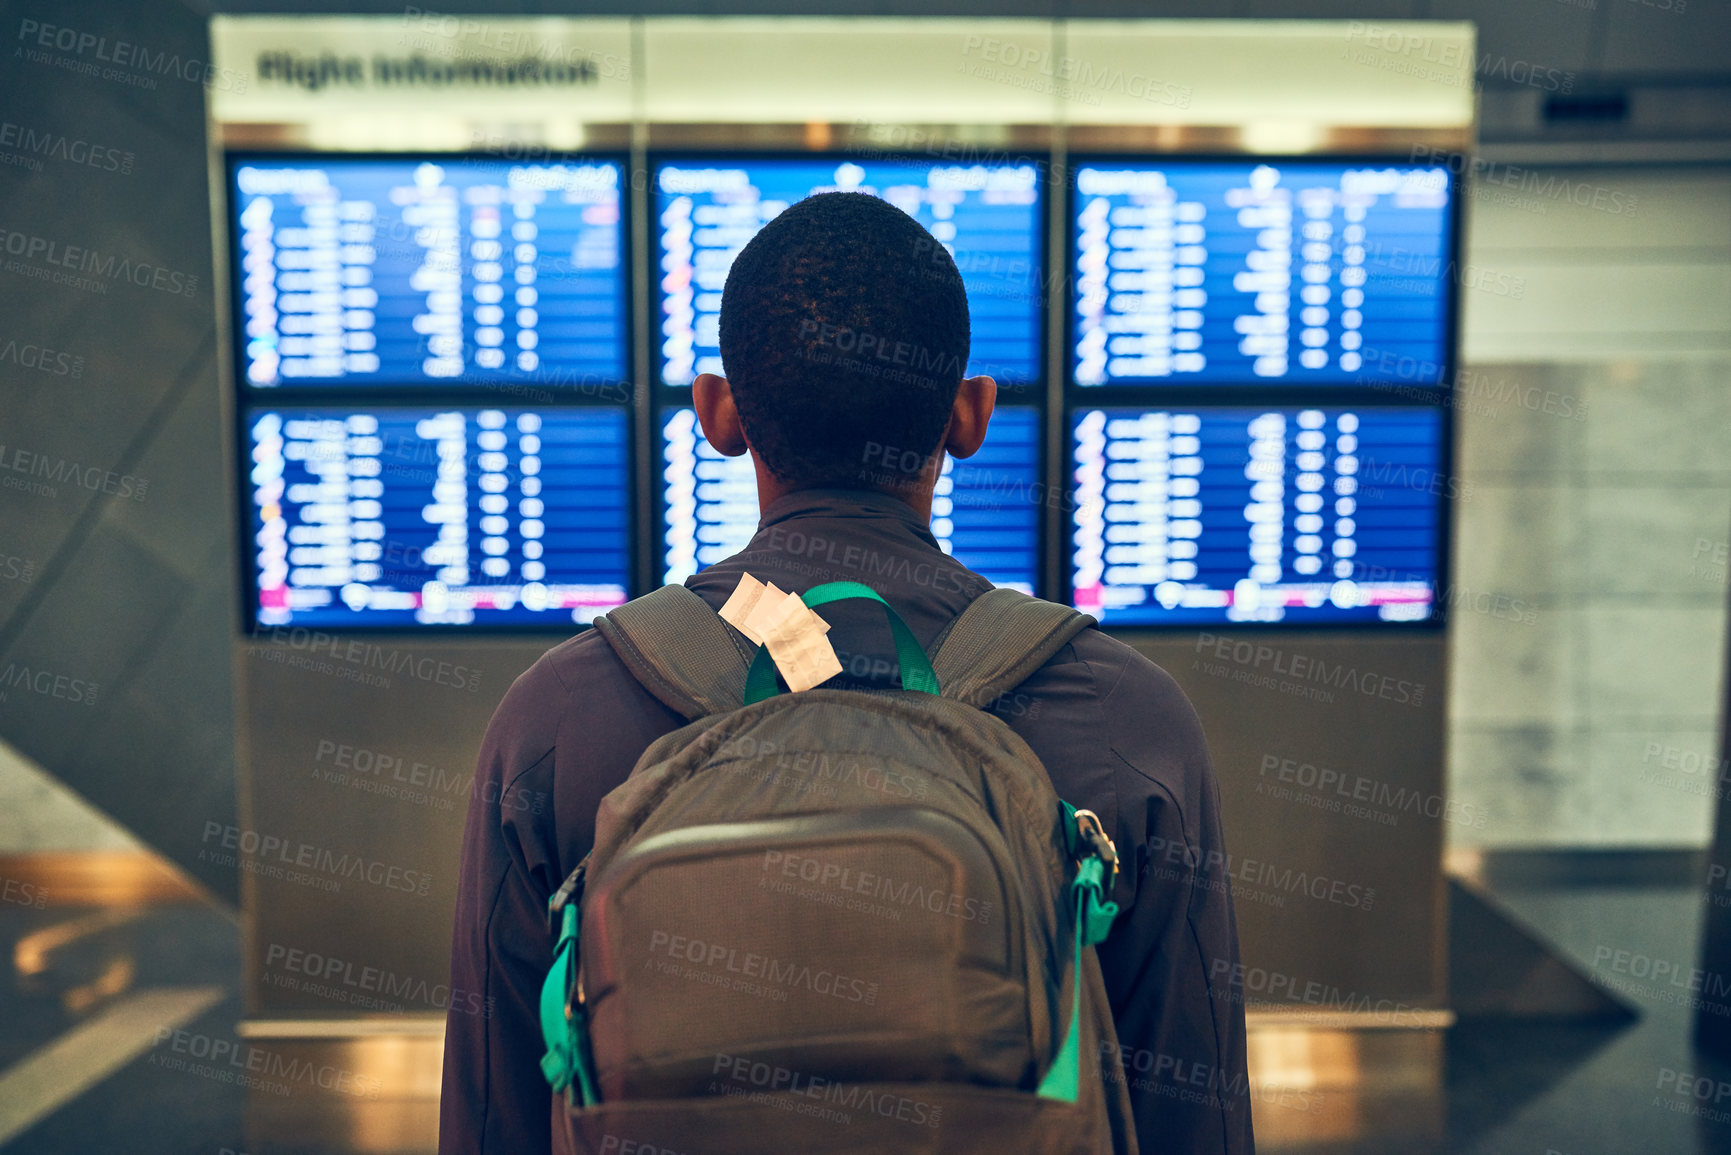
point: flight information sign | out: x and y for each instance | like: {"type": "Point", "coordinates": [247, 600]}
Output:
{"type": "Point", "coordinates": [395, 272]}
{"type": "Point", "coordinates": [1191, 516]}
{"type": "Point", "coordinates": [1291, 272]}
{"type": "Point", "coordinates": [987, 216]}
{"type": "Point", "coordinates": [985, 510]}
{"type": "Point", "coordinates": [437, 517]}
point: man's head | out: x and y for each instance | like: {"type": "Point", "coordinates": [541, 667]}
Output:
{"type": "Point", "coordinates": [844, 335]}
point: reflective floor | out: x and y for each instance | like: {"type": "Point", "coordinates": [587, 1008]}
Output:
{"type": "Point", "coordinates": [120, 1035]}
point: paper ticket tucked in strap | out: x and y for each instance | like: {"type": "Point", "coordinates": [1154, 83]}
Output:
{"type": "Point", "coordinates": [766, 611]}
{"type": "Point", "coordinates": [795, 636]}
{"type": "Point", "coordinates": [741, 602]}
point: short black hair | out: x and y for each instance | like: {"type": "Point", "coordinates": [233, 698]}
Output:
{"type": "Point", "coordinates": [844, 335]}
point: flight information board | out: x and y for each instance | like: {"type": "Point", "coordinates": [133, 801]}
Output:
{"type": "Point", "coordinates": [433, 517]}
{"type": "Point", "coordinates": [428, 272]}
{"type": "Point", "coordinates": [985, 510]}
{"type": "Point", "coordinates": [987, 216]}
{"type": "Point", "coordinates": [1295, 515]}
{"type": "Point", "coordinates": [1244, 273]}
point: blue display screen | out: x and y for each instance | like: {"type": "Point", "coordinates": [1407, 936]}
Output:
{"type": "Point", "coordinates": [1299, 515]}
{"type": "Point", "coordinates": [1243, 273]}
{"type": "Point", "coordinates": [437, 517]}
{"type": "Point", "coordinates": [987, 216]}
{"type": "Point", "coordinates": [985, 510]}
{"type": "Point", "coordinates": [428, 272]}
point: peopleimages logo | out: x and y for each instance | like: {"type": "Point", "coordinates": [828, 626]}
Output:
{"type": "Point", "coordinates": [1258, 662]}
{"type": "Point", "coordinates": [246, 1065]}
{"type": "Point", "coordinates": [782, 869]}
{"type": "Point", "coordinates": [1423, 270]}
{"type": "Point", "coordinates": [1218, 870]}
{"type": "Point", "coordinates": [1528, 184]}
{"type": "Point", "coordinates": [505, 37]}
{"type": "Point", "coordinates": [1692, 1094]}
{"type": "Point", "coordinates": [1425, 56]}
{"type": "Point", "coordinates": [42, 359]}
{"type": "Point", "coordinates": [345, 981]}
{"type": "Point", "coordinates": [370, 656]}
{"type": "Point", "coordinates": [270, 850]}
{"type": "Point", "coordinates": [32, 143]}
{"type": "Point", "coordinates": [47, 683]}
{"type": "Point", "coordinates": [1071, 77]}
{"type": "Point", "coordinates": [1233, 982]}
{"type": "Point", "coordinates": [23, 893]}
{"type": "Point", "coordinates": [785, 975]}
{"type": "Point", "coordinates": [392, 775]}
{"type": "Point", "coordinates": [1416, 377]}
{"type": "Point", "coordinates": [84, 260]}
{"type": "Point", "coordinates": [1344, 792]}
{"type": "Point", "coordinates": [90, 52]}
{"type": "Point", "coordinates": [748, 1075]}
{"type": "Point", "coordinates": [95, 478]}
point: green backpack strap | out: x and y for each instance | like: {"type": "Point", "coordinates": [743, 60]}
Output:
{"type": "Point", "coordinates": [567, 1065]}
{"type": "Point", "coordinates": [916, 671]}
{"type": "Point", "coordinates": [681, 651]}
{"type": "Point", "coordinates": [686, 654]}
{"type": "Point", "coordinates": [1096, 870]}
{"type": "Point", "coordinates": [999, 641]}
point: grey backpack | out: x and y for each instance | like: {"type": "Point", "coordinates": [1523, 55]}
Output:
{"type": "Point", "coordinates": [839, 920]}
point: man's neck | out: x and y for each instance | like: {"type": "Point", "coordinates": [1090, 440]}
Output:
{"type": "Point", "coordinates": [771, 489]}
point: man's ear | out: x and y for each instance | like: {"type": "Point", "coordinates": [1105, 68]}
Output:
{"type": "Point", "coordinates": [712, 397]}
{"type": "Point", "coordinates": [970, 415]}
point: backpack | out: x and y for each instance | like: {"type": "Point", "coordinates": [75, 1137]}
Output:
{"type": "Point", "coordinates": [839, 920]}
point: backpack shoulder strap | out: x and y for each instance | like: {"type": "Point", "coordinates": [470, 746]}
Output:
{"type": "Point", "coordinates": [999, 641]}
{"type": "Point", "coordinates": [681, 651]}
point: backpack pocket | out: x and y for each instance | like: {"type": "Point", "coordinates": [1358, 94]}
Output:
{"type": "Point", "coordinates": [838, 1119]}
{"type": "Point", "coordinates": [848, 947]}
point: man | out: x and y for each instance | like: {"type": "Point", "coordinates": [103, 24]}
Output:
{"type": "Point", "coordinates": [844, 330]}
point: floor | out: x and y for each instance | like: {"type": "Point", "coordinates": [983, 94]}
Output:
{"type": "Point", "coordinates": [151, 995]}
{"type": "Point", "coordinates": [1581, 1091]}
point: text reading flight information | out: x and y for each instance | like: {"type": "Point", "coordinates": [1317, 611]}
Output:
{"type": "Point", "coordinates": [379, 272]}
{"type": "Point", "coordinates": [1301, 273]}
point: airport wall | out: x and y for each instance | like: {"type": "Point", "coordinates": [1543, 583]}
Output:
{"type": "Point", "coordinates": [1591, 562]}
{"type": "Point", "coordinates": [117, 599]}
